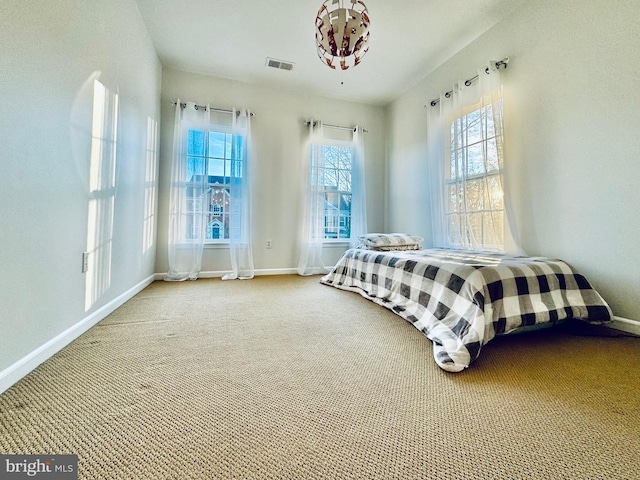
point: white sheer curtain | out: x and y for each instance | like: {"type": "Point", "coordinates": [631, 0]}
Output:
{"type": "Point", "coordinates": [312, 234]}
{"type": "Point", "coordinates": [187, 197]}
{"type": "Point", "coordinates": [320, 169]}
{"type": "Point", "coordinates": [470, 205]}
{"type": "Point", "coordinates": [240, 244]}
{"type": "Point", "coordinates": [358, 190]}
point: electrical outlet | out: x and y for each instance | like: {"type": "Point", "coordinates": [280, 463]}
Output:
{"type": "Point", "coordinates": [269, 244]}
{"type": "Point", "coordinates": [85, 261]}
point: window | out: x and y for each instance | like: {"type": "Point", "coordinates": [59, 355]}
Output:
{"type": "Point", "coordinates": [212, 160]}
{"type": "Point", "coordinates": [474, 205]}
{"type": "Point", "coordinates": [331, 171]}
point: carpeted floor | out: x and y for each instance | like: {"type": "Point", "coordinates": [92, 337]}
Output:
{"type": "Point", "coordinates": [283, 378]}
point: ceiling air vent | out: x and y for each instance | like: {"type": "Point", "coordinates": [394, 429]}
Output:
{"type": "Point", "coordinates": [280, 64]}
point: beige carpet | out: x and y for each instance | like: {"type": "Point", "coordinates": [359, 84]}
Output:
{"type": "Point", "coordinates": [283, 378]}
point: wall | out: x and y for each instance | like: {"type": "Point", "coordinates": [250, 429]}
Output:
{"type": "Point", "coordinates": [571, 103]}
{"type": "Point", "coordinates": [51, 54]}
{"type": "Point", "coordinates": [278, 133]}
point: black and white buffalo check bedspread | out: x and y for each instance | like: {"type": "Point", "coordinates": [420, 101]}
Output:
{"type": "Point", "coordinates": [460, 301]}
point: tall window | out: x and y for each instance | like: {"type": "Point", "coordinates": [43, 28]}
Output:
{"type": "Point", "coordinates": [474, 206]}
{"type": "Point", "coordinates": [210, 198]}
{"type": "Point", "coordinates": [471, 209]}
{"type": "Point", "coordinates": [331, 171]}
{"type": "Point", "coordinates": [211, 154]}
{"type": "Point", "coordinates": [335, 198]}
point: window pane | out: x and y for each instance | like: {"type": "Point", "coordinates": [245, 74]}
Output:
{"type": "Point", "coordinates": [454, 198]}
{"type": "Point", "coordinates": [475, 160]}
{"type": "Point", "coordinates": [330, 178]}
{"type": "Point", "coordinates": [216, 169]}
{"type": "Point", "coordinates": [345, 158]}
{"type": "Point", "coordinates": [345, 204]}
{"type": "Point", "coordinates": [493, 229]}
{"type": "Point", "coordinates": [332, 201]}
{"type": "Point", "coordinates": [453, 230]}
{"type": "Point", "coordinates": [331, 157]}
{"type": "Point", "coordinates": [218, 214]}
{"type": "Point", "coordinates": [332, 215]}
{"type": "Point", "coordinates": [474, 228]}
{"type": "Point", "coordinates": [473, 127]}
{"type": "Point", "coordinates": [227, 145]}
{"type": "Point", "coordinates": [216, 144]}
{"type": "Point", "coordinates": [495, 195]}
{"type": "Point", "coordinates": [474, 195]}
{"type": "Point", "coordinates": [195, 168]}
{"type": "Point", "coordinates": [344, 183]}
{"type": "Point", "coordinates": [195, 142]}
{"type": "Point", "coordinates": [454, 164]}
{"type": "Point", "coordinates": [492, 156]}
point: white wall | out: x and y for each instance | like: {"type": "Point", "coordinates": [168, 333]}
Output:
{"type": "Point", "coordinates": [51, 53]}
{"type": "Point", "coordinates": [572, 106]}
{"type": "Point", "coordinates": [278, 132]}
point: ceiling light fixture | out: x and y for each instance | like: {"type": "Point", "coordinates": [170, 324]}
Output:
{"type": "Point", "coordinates": [342, 33]}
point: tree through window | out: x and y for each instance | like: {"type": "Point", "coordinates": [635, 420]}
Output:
{"type": "Point", "coordinates": [331, 170]}
{"type": "Point", "coordinates": [474, 205]}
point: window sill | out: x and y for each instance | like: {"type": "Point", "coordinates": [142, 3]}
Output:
{"type": "Point", "coordinates": [335, 243]}
{"type": "Point", "coordinates": [216, 245]}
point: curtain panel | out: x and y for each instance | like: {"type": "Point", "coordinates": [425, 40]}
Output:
{"type": "Point", "coordinates": [194, 166]}
{"type": "Point", "coordinates": [187, 213]}
{"type": "Point", "coordinates": [330, 190]}
{"type": "Point", "coordinates": [312, 232]}
{"type": "Point", "coordinates": [240, 218]}
{"type": "Point", "coordinates": [471, 205]}
{"type": "Point", "coordinates": [358, 190]}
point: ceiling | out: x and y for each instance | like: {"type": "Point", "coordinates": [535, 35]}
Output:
{"type": "Point", "coordinates": [232, 39]}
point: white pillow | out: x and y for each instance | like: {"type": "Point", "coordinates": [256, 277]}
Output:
{"type": "Point", "coordinates": [388, 240]}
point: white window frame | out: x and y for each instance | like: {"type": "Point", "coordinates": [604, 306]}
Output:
{"type": "Point", "coordinates": [213, 129]}
{"type": "Point", "coordinates": [339, 219]}
{"type": "Point", "coordinates": [458, 154]}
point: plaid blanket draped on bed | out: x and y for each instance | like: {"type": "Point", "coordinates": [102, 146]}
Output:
{"type": "Point", "coordinates": [460, 301]}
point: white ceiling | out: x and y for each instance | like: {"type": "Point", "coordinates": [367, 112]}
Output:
{"type": "Point", "coordinates": [233, 38]}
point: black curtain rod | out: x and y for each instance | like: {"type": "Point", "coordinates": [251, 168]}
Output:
{"type": "Point", "coordinates": [198, 107]}
{"type": "Point", "coordinates": [469, 81]}
{"type": "Point", "coordinates": [338, 127]}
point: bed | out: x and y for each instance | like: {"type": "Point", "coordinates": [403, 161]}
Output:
{"type": "Point", "coordinates": [462, 300]}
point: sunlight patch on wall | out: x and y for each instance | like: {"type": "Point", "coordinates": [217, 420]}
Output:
{"type": "Point", "coordinates": [150, 184]}
{"type": "Point", "coordinates": [102, 190]}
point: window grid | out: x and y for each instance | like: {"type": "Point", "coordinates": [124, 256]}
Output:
{"type": "Point", "coordinates": [212, 162]}
{"type": "Point", "coordinates": [474, 207]}
{"type": "Point", "coordinates": [331, 170]}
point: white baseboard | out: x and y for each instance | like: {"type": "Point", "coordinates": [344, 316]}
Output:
{"type": "Point", "coordinates": [260, 272]}
{"type": "Point", "coordinates": [22, 367]}
{"type": "Point", "coordinates": [626, 325]}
